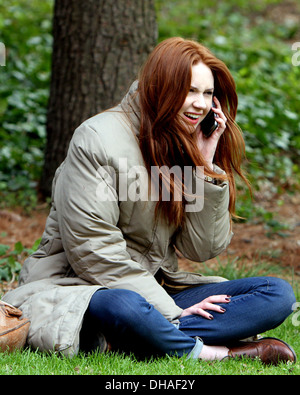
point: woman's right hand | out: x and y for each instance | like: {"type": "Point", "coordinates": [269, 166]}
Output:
{"type": "Point", "coordinates": [208, 146]}
{"type": "Point", "coordinates": [210, 303]}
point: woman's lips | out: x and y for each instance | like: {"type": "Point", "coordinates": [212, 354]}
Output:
{"type": "Point", "coordinates": [192, 117]}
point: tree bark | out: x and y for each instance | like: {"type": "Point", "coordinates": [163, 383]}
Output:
{"type": "Point", "coordinates": [98, 48]}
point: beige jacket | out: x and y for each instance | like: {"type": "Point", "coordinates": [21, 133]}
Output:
{"type": "Point", "coordinates": [95, 239]}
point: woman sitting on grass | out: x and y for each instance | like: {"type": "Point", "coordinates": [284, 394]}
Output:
{"type": "Point", "coordinates": [139, 180]}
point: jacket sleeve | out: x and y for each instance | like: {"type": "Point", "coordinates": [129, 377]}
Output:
{"type": "Point", "coordinates": [88, 223]}
{"type": "Point", "coordinates": [207, 231]}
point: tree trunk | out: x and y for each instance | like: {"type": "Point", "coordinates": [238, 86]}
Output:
{"type": "Point", "coordinates": [98, 48]}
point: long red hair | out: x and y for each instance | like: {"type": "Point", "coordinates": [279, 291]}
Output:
{"type": "Point", "coordinates": [164, 83]}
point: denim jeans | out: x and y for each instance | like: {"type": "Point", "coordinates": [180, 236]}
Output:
{"type": "Point", "coordinates": [131, 324]}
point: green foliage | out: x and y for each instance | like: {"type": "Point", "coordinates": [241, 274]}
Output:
{"type": "Point", "coordinates": [25, 30]}
{"type": "Point", "coordinates": [11, 261]}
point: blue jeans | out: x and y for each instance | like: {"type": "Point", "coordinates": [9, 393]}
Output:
{"type": "Point", "coordinates": [131, 324]}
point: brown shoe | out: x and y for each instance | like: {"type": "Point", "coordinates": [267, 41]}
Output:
{"type": "Point", "coordinates": [269, 350]}
{"type": "Point", "coordinates": [13, 328]}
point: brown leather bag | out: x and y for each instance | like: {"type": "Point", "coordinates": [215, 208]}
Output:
{"type": "Point", "coordinates": [13, 328]}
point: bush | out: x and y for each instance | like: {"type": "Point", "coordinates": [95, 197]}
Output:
{"type": "Point", "coordinates": [25, 29]}
{"type": "Point", "coordinates": [11, 261]}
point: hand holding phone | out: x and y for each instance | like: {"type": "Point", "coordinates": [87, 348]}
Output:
{"type": "Point", "coordinates": [215, 119]}
{"type": "Point", "coordinates": [209, 124]}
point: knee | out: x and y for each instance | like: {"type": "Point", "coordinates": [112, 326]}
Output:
{"type": "Point", "coordinates": [120, 304]}
{"type": "Point", "coordinates": [284, 293]}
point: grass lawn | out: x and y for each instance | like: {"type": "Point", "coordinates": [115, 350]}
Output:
{"type": "Point", "coordinates": [27, 362]}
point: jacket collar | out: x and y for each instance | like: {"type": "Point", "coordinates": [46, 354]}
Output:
{"type": "Point", "coordinates": [131, 107]}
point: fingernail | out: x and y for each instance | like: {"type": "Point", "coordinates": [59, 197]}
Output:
{"type": "Point", "coordinates": [223, 310]}
{"type": "Point", "coordinates": [211, 317]}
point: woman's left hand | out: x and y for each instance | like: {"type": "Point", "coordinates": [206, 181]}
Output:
{"type": "Point", "coordinates": [208, 146]}
{"type": "Point", "coordinates": [210, 303]}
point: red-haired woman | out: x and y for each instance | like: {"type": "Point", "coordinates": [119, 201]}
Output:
{"type": "Point", "coordinates": [139, 181]}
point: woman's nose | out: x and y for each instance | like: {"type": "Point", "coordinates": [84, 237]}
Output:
{"type": "Point", "coordinates": [200, 102]}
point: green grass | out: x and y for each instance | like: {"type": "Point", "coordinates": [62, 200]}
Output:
{"type": "Point", "coordinates": [28, 362]}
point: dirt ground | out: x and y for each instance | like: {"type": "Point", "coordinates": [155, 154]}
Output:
{"type": "Point", "coordinates": [252, 243]}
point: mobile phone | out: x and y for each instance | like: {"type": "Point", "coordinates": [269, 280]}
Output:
{"type": "Point", "coordinates": [209, 124]}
